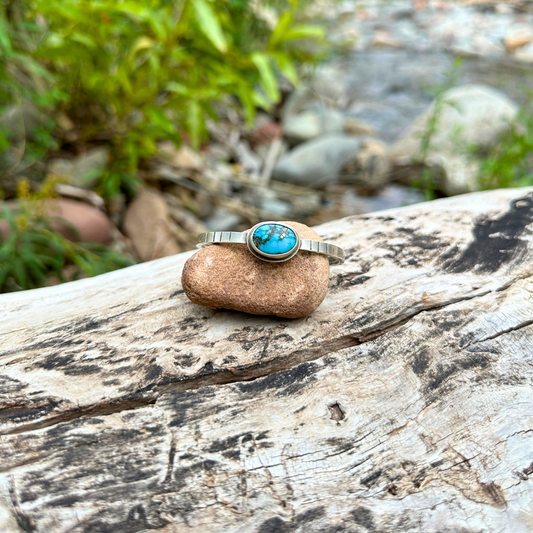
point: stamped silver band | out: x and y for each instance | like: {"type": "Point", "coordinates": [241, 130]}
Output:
{"type": "Point", "coordinates": [335, 253]}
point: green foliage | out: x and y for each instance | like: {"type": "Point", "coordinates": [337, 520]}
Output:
{"type": "Point", "coordinates": [510, 162]}
{"type": "Point", "coordinates": [24, 84]}
{"type": "Point", "coordinates": [134, 72]}
{"type": "Point", "coordinates": [32, 253]}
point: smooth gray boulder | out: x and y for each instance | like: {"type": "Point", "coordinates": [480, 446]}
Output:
{"type": "Point", "coordinates": [361, 161]}
{"type": "Point", "coordinates": [469, 116]}
{"type": "Point", "coordinates": [317, 162]}
{"type": "Point", "coordinates": [311, 124]}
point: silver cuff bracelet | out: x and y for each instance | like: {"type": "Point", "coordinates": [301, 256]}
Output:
{"type": "Point", "coordinates": [274, 242]}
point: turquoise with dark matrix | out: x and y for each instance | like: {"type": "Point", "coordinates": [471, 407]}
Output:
{"type": "Point", "coordinates": [274, 239]}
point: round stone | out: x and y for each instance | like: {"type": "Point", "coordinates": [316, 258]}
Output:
{"type": "Point", "coordinates": [274, 239]}
{"type": "Point", "coordinates": [228, 276]}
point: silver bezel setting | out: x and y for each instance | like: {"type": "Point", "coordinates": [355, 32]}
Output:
{"type": "Point", "coordinates": [273, 258]}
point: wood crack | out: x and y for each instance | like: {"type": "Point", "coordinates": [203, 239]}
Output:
{"type": "Point", "coordinates": [150, 395]}
{"type": "Point", "coordinates": [503, 332]}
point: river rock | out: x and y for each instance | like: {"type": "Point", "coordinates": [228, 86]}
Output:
{"type": "Point", "coordinates": [84, 170]}
{"type": "Point", "coordinates": [370, 167]}
{"type": "Point", "coordinates": [223, 220]}
{"type": "Point", "coordinates": [76, 221]}
{"type": "Point", "coordinates": [525, 54]}
{"type": "Point", "coordinates": [321, 91]}
{"type": "Point", "coordinates": [317, 162]}
{"type": "Point", "coordinates": [311, 124]}
{"type": "Point", "coordinates": [148, 223]}
{"type": "Point", "coordinates": [471, 115]}
{"type": "Point", "coordinates": [516, 41]}
{"type": "Point", "coordinates": [228, 276]}
{"type": "Point", "coordinates": [183, 157]}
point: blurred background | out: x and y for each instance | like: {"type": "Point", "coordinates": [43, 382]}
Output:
{"type": "Point", "coordinates": [127, 127]}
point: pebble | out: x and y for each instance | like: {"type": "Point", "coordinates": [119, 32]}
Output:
{"type": "Point", "coordinates": [524, 54]}
{"type": "Point", "coordinates": [516, 41]}
{"type": "Point", "coordinates": [183, 157]}
{"type": "Point", "coordinates": [82, 171]}
{"type": "Point", "coordinates": [311, 124]}
{"type": "Point", "coordinates": [228, 276]}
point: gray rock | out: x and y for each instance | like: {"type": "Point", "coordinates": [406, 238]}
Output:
{"type": "Point", "coordinates": [311, 124]}
{"type": "Point", "coordinates": [84, 170]}
{"type": "Point", "coordinates": [472, 115]}
{"type": "Point", "coordinates": [263, 151]}
{"type": "Point", "coordinates": [321, 91]}
{"type": "Point", "coordinates": [250, 161]}
{"type": "Point", "coordinates": [391, 197]}
{"type": "Point", "coordinates": [369, 168]}
{"type": "Point", "coordinates": [525, 54]}
{"type": "Point", "coordinates": [223, 220]}
{"type": "Point", "coordinates": [273, 207]}
{"type": "Point", "coordinates": [317, 162]}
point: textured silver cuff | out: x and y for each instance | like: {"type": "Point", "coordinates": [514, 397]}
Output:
{"type": "Point", "coordinates": [274, 242]}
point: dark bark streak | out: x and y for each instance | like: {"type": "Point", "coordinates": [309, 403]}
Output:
{"type": "Point", "coordinates": [210, 375]}
{"type": "Point", "coordinates": [84, 412]}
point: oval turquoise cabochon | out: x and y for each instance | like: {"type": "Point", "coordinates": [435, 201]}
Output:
{"type": "Point", "coordinates": [274, 239]}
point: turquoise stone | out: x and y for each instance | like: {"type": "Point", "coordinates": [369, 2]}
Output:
{"type": "Point", "coordinates": [274, 239]}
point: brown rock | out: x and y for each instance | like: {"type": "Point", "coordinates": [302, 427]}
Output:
{"type": "Point", "coordinates": [370, 168]}
{"type": "Point", "coordinates": [265, 134]}
{"type": "Point", "coordinates": [228, 276]}
{"type": "Point", "coordinates": [184, 157]}
{"type": "Point", "coordinates": [358, 127]}
{"type": "Point", "coordinates": [76, 221]}
{"type": "Point", "coordinates": [514, 42]}
{"type": "Point", "coordinates": [91, 224]}
{"type": "Point", "coordinates": [150, 227]}
{"type": "Point", "coordinates": [382, 39]}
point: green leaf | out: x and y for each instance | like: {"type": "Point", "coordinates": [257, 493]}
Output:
{"type": "Point", "coordinates": [175, 87]}
{"type": "Point", "coordinates": [268, 79]}
{"type": "Point", "coordinates": [37, 270]}
{"type": "Point", "coordinates": [83, 39]}
{"type": "Point", "coordinates": [287, 68]}
{"type": "Point", "coordinates": [83, 264]}
{"type": "Point", "coordinates": [19, 271]}
{"type": "Point", "coordinates": [209, 24]}
{"type": "Point", "coordinates": [285, 20]}
{"type": "Point", "coordinates": [5, 41]}
{"type": "Point", "coordinates": [260, 101]}
{"type": "Point", "coordinates": [248, 103]}
{"type": "Point", "coordinates": [194, 121]}
{"type": "Point", "coordinates": [54, 40]}
{"type": "Point", "coordinates": [142, 43]}
{"type": "Point", "coordinates": [304, 31]}
{"type": "Point", "coordinates": [4, 273]}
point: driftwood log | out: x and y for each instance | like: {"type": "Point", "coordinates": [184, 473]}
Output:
{"type": "Point", "coordinates": [403, 404]}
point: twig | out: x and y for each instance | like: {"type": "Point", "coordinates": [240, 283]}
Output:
{"type": "Point", "coordinates": [272, 157]}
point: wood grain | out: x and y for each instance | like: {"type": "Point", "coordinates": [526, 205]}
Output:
{"type": "Point", "coordinates": [403, 404]}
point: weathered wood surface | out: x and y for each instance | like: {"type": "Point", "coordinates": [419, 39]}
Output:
{"type": "Point", "coordinates": [403, 404]}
